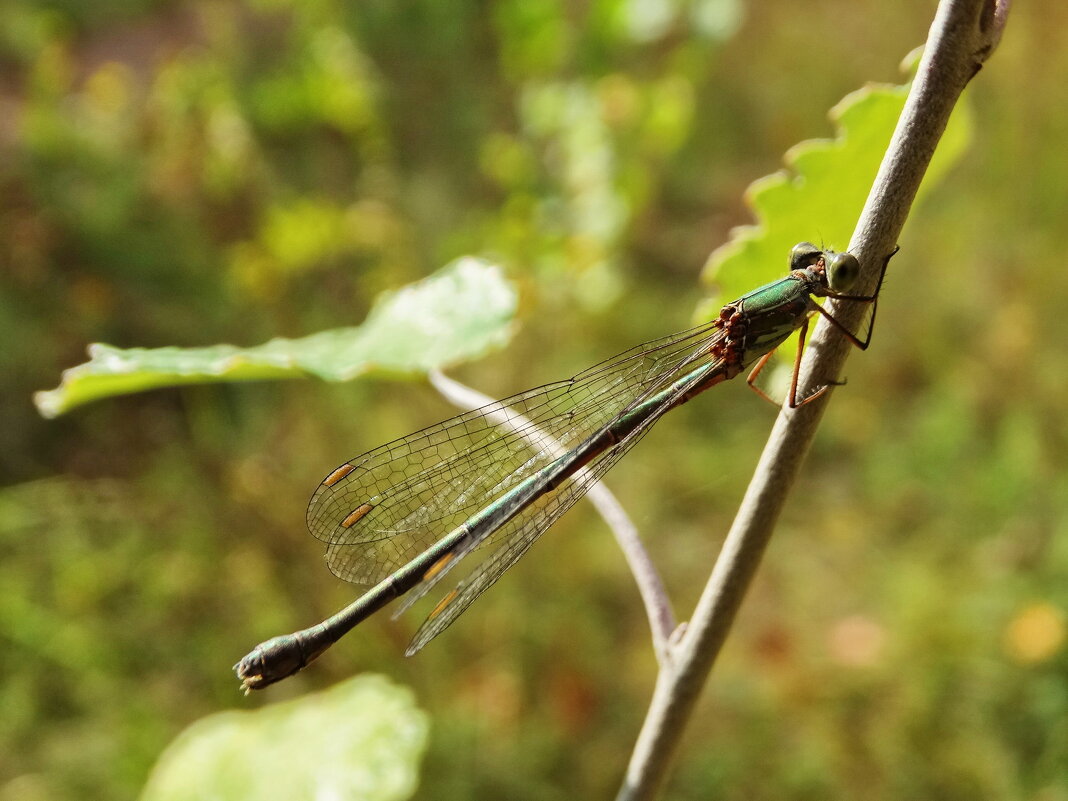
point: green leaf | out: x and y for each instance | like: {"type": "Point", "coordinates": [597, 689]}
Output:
{"type": "Point", "coordinates": [361, 739]}
{"type": "Point", "coordinates": [458, 313]}
{"type": "Point", "coordinates": [820, 196]}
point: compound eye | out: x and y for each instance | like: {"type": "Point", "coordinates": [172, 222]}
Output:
{"type": "Point", "coordinates": [804, 254]}
{"type": "Point", "coordinates": [842, 271]}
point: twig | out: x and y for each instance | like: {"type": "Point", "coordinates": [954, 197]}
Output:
{"type": "Point", "coordinates": [650, 587]}
{"type": "Point", "coordinates": [963, 35]}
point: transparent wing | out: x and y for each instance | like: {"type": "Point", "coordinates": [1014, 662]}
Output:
{"type": "Point", "coordinates": [380, 510]}
{"type": "Point", "coordinates": [509, 543]}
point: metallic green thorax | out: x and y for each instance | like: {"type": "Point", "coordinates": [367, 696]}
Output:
{"type": "Point", "coordinates": [773, 312]}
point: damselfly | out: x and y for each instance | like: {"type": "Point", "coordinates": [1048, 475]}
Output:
{"type": "Point", "coordinates": [483, 486]}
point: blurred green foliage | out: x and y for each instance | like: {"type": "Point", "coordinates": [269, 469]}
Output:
{"type": "Point", "coordinates": [201, 172]}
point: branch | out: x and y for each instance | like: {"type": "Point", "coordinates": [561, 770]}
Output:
{"type": "Point", "coordinates": [963, 35]}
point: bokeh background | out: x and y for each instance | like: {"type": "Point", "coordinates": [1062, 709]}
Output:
{"type": "Point", "coordinates": [188, 173]}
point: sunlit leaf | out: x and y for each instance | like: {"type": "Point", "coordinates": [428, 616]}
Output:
{"type": "Point", "coordinates": [458, 313]}
{"type": "Point", "coordinates": [819, 197]}
{"type": "Point", "coordinates": [360, 739]}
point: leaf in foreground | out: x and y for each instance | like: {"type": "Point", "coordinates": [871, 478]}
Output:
{"type": "Point", "coordinates": [360, 739]}
{"type": "Point", "coordinates": [458, 313]}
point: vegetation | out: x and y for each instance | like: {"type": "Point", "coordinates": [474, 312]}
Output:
{"type": "Point", "coordinates": [198, 173]}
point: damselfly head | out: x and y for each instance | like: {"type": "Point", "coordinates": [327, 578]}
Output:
{"type": "Point", "coordinates": [842, 270]}
{"type": "Point", "coordinates": [804, 254]}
